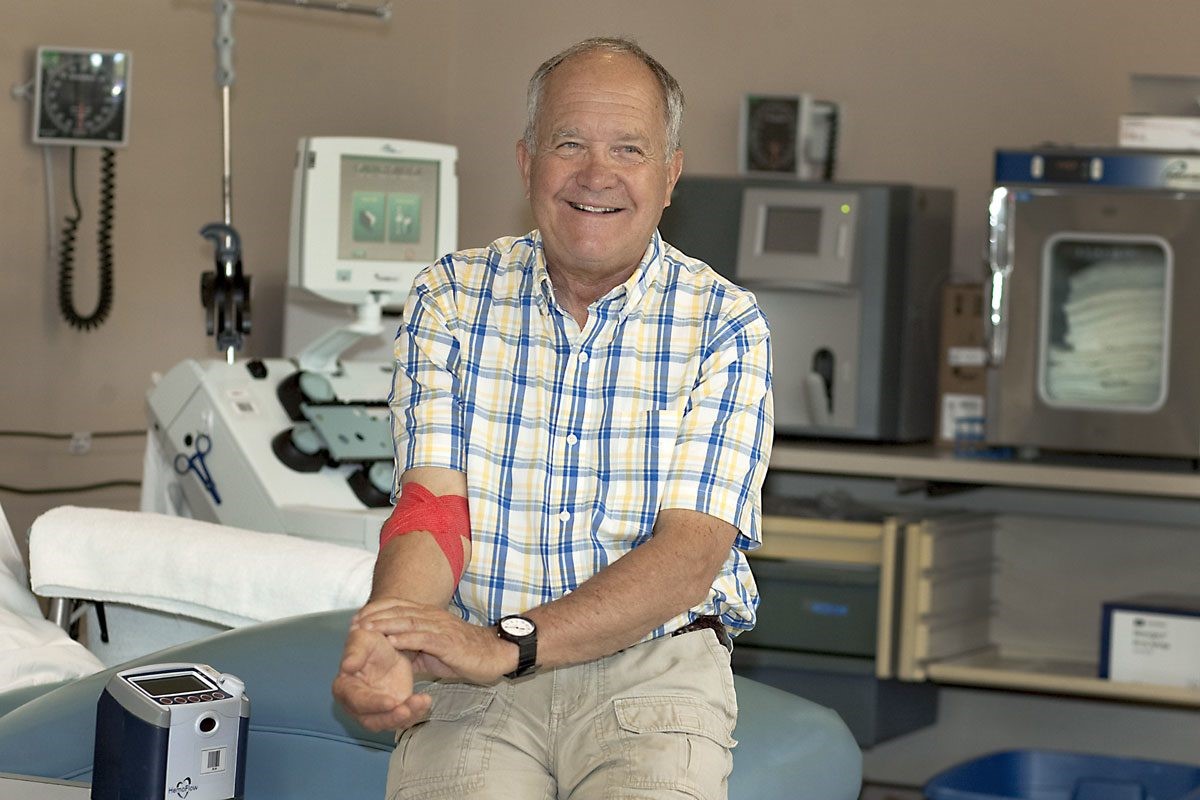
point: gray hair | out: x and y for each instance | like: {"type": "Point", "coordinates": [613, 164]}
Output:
{"type": "Point", "coordinates": [672, 93]}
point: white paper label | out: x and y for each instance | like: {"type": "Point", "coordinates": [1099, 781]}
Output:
{"type": "Point", "coordinates": [966, 357]}
{"type": "Point", "coordinates": [1154, 648]}
{"type": "Point", "coordinates": [956, 407]}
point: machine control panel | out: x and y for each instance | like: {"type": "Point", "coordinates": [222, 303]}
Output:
{"type": "Point", "coordinates": [1100, 167]}
{"type": "Point", "coordinates": [273, 473]}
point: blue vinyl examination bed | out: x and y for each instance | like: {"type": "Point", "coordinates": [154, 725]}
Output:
{"type": "Point", "coordinates": [303, 746]}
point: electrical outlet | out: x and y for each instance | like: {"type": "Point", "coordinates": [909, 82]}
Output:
{"type": "Point", "coordinates": [81, 443]}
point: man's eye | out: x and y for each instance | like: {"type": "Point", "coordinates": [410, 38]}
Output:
{"type": "Point", "coordinates": [569, 146]}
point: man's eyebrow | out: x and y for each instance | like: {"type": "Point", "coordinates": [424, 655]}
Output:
{"type": "Point", "coordinates": [571, 133]}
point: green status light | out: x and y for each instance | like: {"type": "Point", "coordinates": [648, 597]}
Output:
{"type": "Point", "coordinates": [845, 208]}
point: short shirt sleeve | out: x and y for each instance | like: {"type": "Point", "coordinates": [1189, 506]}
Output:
{"type": "Point", "coordinates": [426, 402]}
{"type": "Point", "coordinates": [724, 442]}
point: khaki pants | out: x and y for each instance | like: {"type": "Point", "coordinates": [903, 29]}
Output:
{"type": "Point", "coordinates": [653, 721]}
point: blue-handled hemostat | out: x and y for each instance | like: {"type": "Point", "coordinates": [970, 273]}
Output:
{"type": "Point", "coordinates": [196, 463]}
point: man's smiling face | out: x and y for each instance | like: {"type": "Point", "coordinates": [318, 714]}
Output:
{"type": "Point", "coordinates": [600, 176]}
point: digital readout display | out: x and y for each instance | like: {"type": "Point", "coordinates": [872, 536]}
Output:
{"type": "Point", "coordinates": [1068, 169]}
{"type": "Point", "coordinates": [171, 684]}
{"type": "Point", "coordinates": [791, 230]}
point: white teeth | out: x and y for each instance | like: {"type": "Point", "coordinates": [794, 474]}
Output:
{"type": "Point", "coordinates": [594, 209]}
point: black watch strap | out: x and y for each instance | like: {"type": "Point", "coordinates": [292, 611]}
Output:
{"type": "Point", "coordinates": [522, 632]}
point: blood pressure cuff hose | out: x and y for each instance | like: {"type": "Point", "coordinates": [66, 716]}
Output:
{"type": "Point", "coordinates": [446, 516]}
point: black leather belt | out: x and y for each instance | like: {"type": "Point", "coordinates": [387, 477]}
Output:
{"type": "Point", "coordinates": [712, 623]}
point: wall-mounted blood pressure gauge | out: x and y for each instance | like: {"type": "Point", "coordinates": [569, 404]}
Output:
{"type": "Point", "coordinates": [81, 97]}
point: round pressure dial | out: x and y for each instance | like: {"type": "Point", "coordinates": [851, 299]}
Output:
{"type": "Point", "coordinates": [82, 97]}
{"type": "Point", "coordinates": [771, 125]}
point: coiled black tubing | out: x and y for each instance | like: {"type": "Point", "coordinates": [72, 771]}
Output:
{"type": "Point", "coordinates": [66, 256]}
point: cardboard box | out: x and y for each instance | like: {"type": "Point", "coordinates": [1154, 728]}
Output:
{"type": "Point", "coordinates": [1152, 638]}
{"type": "Point", "coordinates": [1158, 132]}
{"type": "Point", "coordinates": [962, 365]}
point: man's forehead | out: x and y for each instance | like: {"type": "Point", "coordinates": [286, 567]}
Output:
{"type": "Point", "coordinates": [604, 71]}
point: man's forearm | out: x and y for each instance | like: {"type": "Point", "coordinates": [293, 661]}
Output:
{"type": "Point", "coordinates": [413, 567]}
{"type": "Point", "coordinates": [661, 578]}
{"type": "Point", "coordinates": [618, 606]}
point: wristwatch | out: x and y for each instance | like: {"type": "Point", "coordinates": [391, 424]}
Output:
{"type": "Point", "coordinates": [522, 632]}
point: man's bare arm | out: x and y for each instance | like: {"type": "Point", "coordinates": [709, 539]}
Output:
{"type": "Point", "coordinates": [615, 608]}
{"type": "Point", "coordinates": [412, 567]}
{"type": "Point", "coordinates": [375, 680]}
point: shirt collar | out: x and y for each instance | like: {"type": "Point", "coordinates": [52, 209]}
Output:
{"type": "Point", "coordinates": [643, 277]}
{"type": "Point", "coordinates": [544, 296]}
{"type": "Point", "coordinates": [625, 297]}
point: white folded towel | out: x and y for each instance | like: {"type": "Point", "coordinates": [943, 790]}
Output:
{"type": "Point", "coordinates": [33, 650]}
{"type": "Point", "coordinates": [198, 569]}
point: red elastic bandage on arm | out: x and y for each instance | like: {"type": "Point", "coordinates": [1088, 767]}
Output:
{"type": "Point", "coordinates": [447, 517]}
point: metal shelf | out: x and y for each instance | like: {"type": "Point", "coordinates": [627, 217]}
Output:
{"type": "Point", "coordinates": [956, 627]}
{"type": "Point", "coordinates": [1035, 674]}
{"type": "Point", "coordinates": [925, 462]}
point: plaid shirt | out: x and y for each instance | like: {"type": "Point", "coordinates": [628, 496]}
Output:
{"type": "Point", "coordinates": [573, 440]}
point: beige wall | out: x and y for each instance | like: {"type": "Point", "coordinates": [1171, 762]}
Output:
{"type": "Point", "coordinates": [928, 89]}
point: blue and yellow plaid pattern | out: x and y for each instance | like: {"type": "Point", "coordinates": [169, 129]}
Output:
{"type": "Point", "coordinates": [573, 440]}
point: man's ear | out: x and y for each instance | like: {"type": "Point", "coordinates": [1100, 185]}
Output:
{"type": "Point", "coordinates": [674, 170]}
{"type": "Point", "coordinates": [524, 163]}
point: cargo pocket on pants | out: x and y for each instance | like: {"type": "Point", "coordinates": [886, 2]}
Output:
{"type": "Point", "coordinates": [447, 754]}
{"type": "Point", "coordinates": [675, 743]}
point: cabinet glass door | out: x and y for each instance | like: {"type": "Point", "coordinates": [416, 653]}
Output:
{"type": "Point", "coordinates": [1104, 328]}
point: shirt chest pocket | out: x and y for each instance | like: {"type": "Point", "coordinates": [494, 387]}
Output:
{"type": "Point", "coordinates": [636, 447]}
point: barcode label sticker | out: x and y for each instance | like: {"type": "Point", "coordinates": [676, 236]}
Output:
{"type": "Point", "coordinates": [212, 760]}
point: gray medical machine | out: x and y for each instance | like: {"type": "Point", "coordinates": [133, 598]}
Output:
{"type": "Point", "coordinates": [849, 276]}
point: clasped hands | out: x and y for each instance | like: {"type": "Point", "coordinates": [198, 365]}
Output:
{"type": "Point", "coordinates": [392, 640]}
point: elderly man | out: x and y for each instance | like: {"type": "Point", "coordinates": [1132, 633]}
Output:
{"type": "Point", "coordinates": [583, 422]}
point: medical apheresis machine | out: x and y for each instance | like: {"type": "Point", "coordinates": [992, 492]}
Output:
{"type": "Point", "coordinates": [303, 446]}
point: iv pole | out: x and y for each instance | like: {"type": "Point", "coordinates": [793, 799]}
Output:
{"type": "Point", "coordinates": [225, 292]}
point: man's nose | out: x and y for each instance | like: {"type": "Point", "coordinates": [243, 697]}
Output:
{"type": "Point", "coordinates": [598, 170]}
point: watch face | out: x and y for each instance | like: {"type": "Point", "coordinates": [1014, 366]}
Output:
{"type": "Point", "coordinates": [517, 626]}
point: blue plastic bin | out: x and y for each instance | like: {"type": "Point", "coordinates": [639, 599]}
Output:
{"type": "Point", "coordinates": [1050, 775]}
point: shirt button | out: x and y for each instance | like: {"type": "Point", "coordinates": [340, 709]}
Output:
{"type": "Point", "coordinates": [572, 439]}
{"type": "Point", "coordinates": [583, 357]}
{"type": "Point", "coordinates": [564, 516]}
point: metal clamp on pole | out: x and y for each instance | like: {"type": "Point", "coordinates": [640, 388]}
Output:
{"type": "Point", "coordinates": [225, 292]}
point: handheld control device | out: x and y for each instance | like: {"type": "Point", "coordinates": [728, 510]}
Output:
{"type": "Point", "coordinates": [171, 731]}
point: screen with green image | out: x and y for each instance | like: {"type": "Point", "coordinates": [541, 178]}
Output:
{"type": "Point", "coordinates": [388, 209]}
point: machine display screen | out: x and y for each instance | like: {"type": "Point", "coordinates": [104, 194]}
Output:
{"type": "Point", "coordinates": [388, 209]}
{"type": "Point", "coordinates": [171, 684]}
{"type": "Point", "coordinates": [1067, 169]}
{"type": "Point", "coordinates": [791, 229]}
